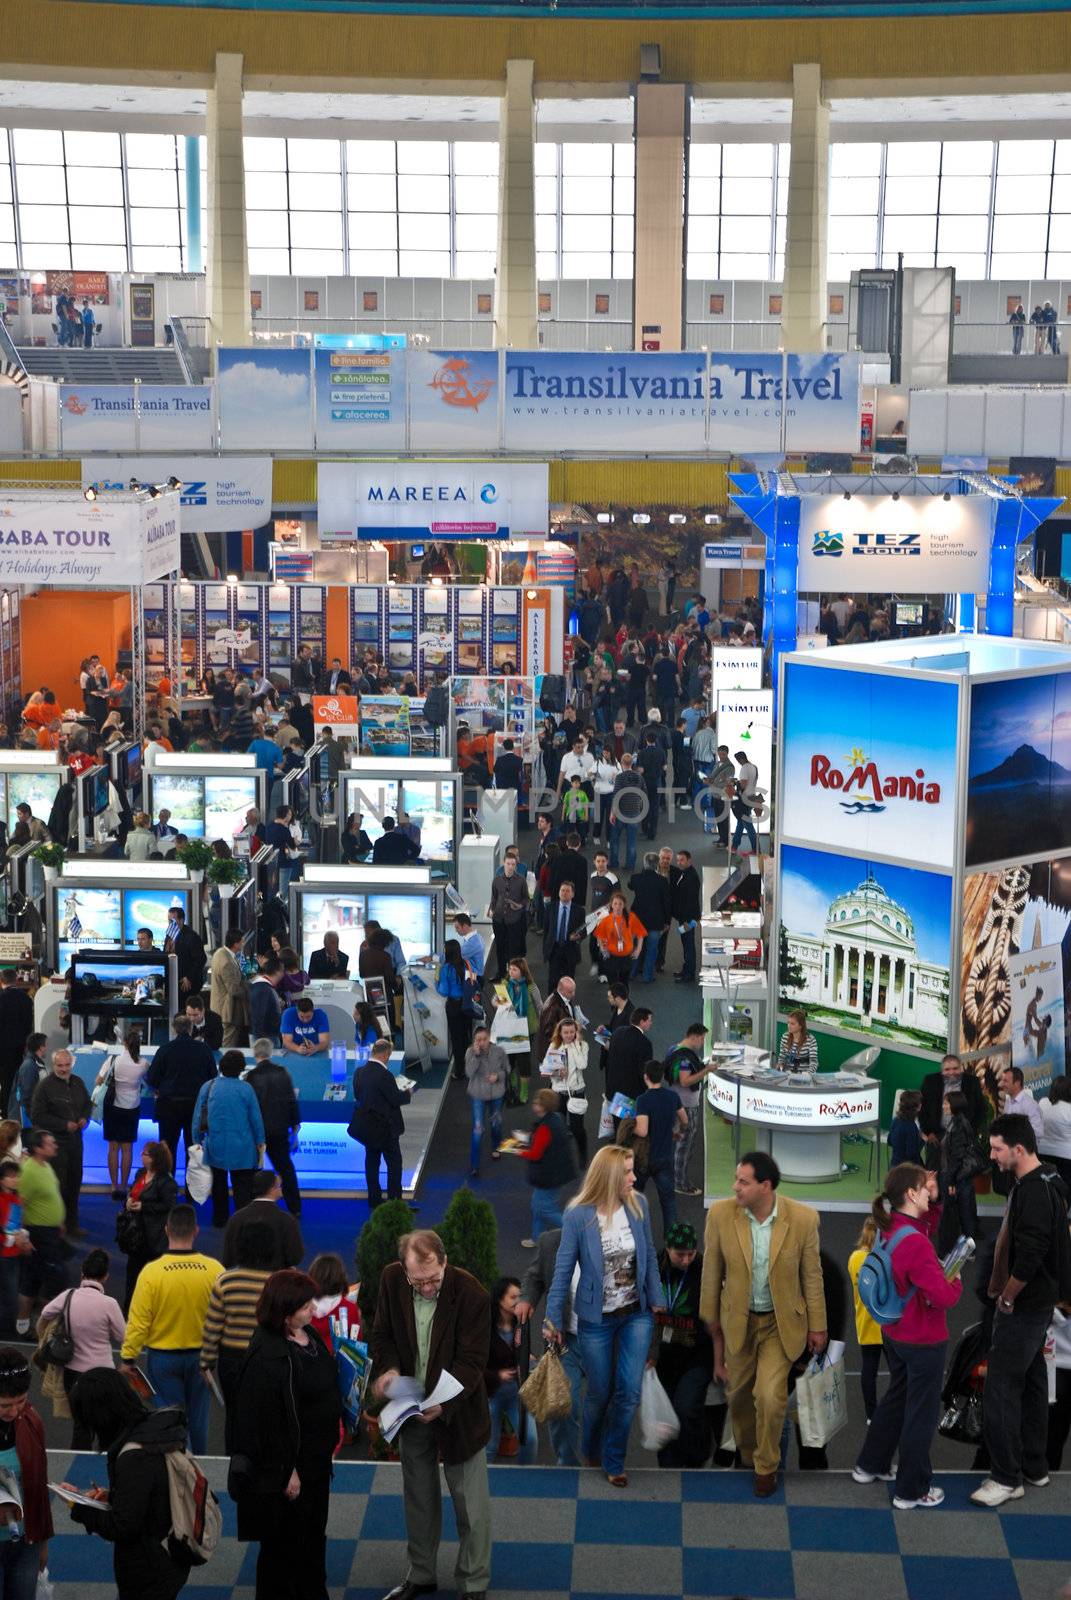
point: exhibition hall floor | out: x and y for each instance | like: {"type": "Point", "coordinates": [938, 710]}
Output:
{"type": "Point", "coordinates": [566, 1535]}
{"type": "Point", "coordinates": [854, 1192]}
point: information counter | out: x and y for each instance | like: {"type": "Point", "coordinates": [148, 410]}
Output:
{"type": "Point", "coordinates": [327, 1160]}
{"type": "Point", "coordinates": [797, 1118]}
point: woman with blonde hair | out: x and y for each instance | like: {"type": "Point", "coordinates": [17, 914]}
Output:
{"type": "Point", "coordinates": [867, 1331]}
{"type": "Point", "coordinates": [607, 1231]}
{"type": "Point", "coordinates": [141, 842]}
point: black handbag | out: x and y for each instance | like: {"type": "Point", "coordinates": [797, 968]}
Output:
{"type": "Point", "coordinates": [59, 1349]}
{"type": "Point", "coordinates": [962, 1418]}
{"type": "Point", "coordinates": [130, 1233]}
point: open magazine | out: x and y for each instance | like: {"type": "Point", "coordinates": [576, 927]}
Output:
{"type": "Point", "coordinates": [406, 1399]}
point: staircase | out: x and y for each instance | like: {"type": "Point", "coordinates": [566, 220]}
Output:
{"type": "Point", "coordinates": [160, 365]}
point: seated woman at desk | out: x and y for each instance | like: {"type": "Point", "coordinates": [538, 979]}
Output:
{"type": "Point", "coordinates": [355, 842]}
{"type": "Point", "coordinates": [799, 1050]}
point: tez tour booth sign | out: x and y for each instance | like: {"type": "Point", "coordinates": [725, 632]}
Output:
{"type": "Point", "coordinates": [55, 538]}
{"type": "Point", "coordinates": [951, 533]}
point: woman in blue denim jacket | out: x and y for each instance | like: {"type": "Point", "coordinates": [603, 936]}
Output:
{"type": "Point", "coordinates": [229, 1113]}
{"type": "Point", "coordinates": [607, 1229]}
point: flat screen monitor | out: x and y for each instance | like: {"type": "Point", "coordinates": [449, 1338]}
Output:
{"type": "Point", "coordinates": [132, 757]}
{"type": "Point", "coordinates": [150, 908]}
{"type": "Point", "coordinates": [184, 797]}
{"type": "Point", "coordinates": [118, 985]}
{"type": "Point", "coordinates": [339, 913]}
{"type": "Point", "coordinates": [227, 799]}
{"type": "Point", "coordinates": [408, 916]}
{"type": "Point", "coordinates": [38, 790]}
{"type": "Point", "coordinates": [909, 614]}
{"type": "Point", "coordinates": [430, 806]}
{"type": "Point", "coordinates": [86, 919]}
{"type": "Point", "coordinates": [427, 805]}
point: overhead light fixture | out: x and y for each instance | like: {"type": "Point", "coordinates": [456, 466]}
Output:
{"type": "Point", "coordinates": [847, 494]}
{"type": "Point", "coordinates": [946, 495]}
{"type": "Point", "coordinates": [677, 517]}
{"type": "Point", "coordinates": [90, 492]}
{"type": "Point", "coordinates": [604, 516]}
{"type": "Point", "coordinates": [152, 490]}
{"type": "Point", "coordinates": [133, 484]}
{"type": "Point", "coordinates": [232, 577]}
{"type": "Point", "coordinates": [531, 594]}
{"type": "Point", "coordinates": [712, 519]}
{"type": "Point", "coordinates": [896, 494]}
{"type": "Point", "coordinates": [640, 517]}
{"type": "Point", "coordinates": [174, 483]}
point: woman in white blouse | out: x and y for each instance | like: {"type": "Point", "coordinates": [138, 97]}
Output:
{"type": "Point", "coordinates": [607, 768]}
{"type": "Point", "coordinates": [122, 1109]}
{"type": "Point", "coordinates": [564, 1067]}
{"type": "Point", "coordinates": [1055, 1142]}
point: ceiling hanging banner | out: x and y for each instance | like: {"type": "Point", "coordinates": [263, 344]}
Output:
{"type": "Point", "coordinates": [70, 542]}
{"type": "Point", "coordinates": [431, 500]}
{"type": "Point", "coordinates": [915, 544]}
{"type": "Point", "coordinates": [219, 494]}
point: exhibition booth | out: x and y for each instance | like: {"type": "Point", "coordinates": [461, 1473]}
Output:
{"type": "Point", "coordinates": [208, 796]}
{"type": "Point", "coordinates": [421, 793]}
{"type": "Point", "coordinates": [912, 533]}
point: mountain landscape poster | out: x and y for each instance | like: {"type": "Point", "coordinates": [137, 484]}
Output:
{"type": "Point", "coordinates": [1019, 768]}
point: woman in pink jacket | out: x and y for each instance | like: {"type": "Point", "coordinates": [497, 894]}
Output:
{"type": "Point", "coordinates": [96, 1323]}
{"type": "Point", "coordinates": [906, 1418]}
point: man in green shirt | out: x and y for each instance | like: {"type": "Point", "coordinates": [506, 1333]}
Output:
{"type": "Point", "coordinates": [432, 1319]}
{"type": "Point", "coordinates": [42, 1271]}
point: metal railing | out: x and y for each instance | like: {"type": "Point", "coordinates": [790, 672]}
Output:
{"type": "Point", "coordinates": [1006, 339]}
{"type": "Point", "coordinates": [8, 350]}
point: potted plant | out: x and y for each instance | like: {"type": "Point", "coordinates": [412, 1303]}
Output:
{"type": "Point", "coordinates": [195, 856]}
{"type": "Point", "coordinates": [51, 857]}
{"type": "Point", "coordinates": [226, 874]}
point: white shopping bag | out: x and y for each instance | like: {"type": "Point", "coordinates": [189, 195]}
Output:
{"type": "Point", "coordinates": [606, 1121]}
{"type": "Point", "coordinates": [659, 1424]}
{"type": "Point", "coordinates": [198, 1175]}
{"type": "Point", "coordinates": [821, 1400]}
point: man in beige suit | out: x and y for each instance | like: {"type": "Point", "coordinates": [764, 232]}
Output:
{"type": "Point", "coordinates": [762, 1299]}
{"type": "Point", "coordinates": [230, 997]}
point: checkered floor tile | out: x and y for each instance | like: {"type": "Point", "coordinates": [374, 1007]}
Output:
{"type": "Point", "coordinates": [567, 1535]}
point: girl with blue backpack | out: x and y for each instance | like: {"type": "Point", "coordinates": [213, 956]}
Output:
{"type": "Point", "coordinates": [903, 1287]}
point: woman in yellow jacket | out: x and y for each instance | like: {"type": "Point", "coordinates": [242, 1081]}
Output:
{"type": "Point", "coordinates": [619, 936]}
{"type": "Point", "coordinates": [868, 1332]}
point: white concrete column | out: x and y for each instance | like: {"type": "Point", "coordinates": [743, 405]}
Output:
{"type": "Point", "coordinates": [228, 262]}
{"type": "Point", "coordinates": [658, 267]}
{"type": "Point", "coordinates": [803, 304]}
{"type": "Point", "coordinates": [516, 294]}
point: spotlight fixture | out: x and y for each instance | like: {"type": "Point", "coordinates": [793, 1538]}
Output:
{"type": "Point", "coordinates": [641, 517]}
{"type": "Point", "coordinates": [946, 495]}
{"type": "Point", "coordinates": [531, 594]}
{"type": "Point", "coordinates": [604, 516]}
{"type": "Point", "coordinates": [896, 494]}
{"type": "Point", "coordinates": [174, 483]}
{"type": "Point", "coordinates": [90, 493]}
{"type": "Point", "coordinates": [847, 494]}
{"type": "Point", "coordinates": [712, 519]}
{"type": "Point", "coordinates": [152, 490]}
{"type": "Point", "coordinates": [677, 517]}
{"type": "Point", "coordinates": [133, 484]}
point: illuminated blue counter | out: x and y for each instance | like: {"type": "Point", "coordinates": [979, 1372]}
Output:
{"type": "Point", "coordinates": [327, 1160]}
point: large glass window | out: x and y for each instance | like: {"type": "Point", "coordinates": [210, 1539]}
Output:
{"type": "Point", "coordinates": [737, 204]}
{"type": "Point", "coordinates": [585, 208]}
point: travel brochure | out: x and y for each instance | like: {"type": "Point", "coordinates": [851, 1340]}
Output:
{"type": "Point", "coordinates": [406, 1399]}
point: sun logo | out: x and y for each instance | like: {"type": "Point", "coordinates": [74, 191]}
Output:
{"type": "Point", "coordinates": [74, 405]}
{"type": "Point", "coordinates": [452, 382]}
{"type": "Point", "coordinates": [857, 757]}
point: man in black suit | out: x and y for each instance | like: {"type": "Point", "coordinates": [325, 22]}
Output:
{"type": "Point", "coordinates": [175, 1075]}
{"type": "Point", "coordinates": [630, 1051]}
{"type": "Point", "coordinates": [569, 866]}
{"type": "Point", "coordinates": [336, 680]}
{"type": "Point", "coordinates": [394, 848]}
{"type": "Point", "coordinates": [562, 934]}
{"type": "Point", "coordinates": [16, 1025]}
{"type": "Point", "coordinates": [685, 897]}
{"type": "Point", "coordinates": [509, 772]}
{"type": "Point", "coordinates": [264, 1209]}
{"type": "Point", "coordinates": [188, 949]}
{"type": "Point", "coordinates": [377, 1123]}
{"type": "Point", "coordinates": [953, 1075]}
{"type": "Point", "coordinates": [205, 1025]}
{"type": "Point", "coordinates": [329, 961]}
{"type": "Point", "coordinates": [304, 671]}
{"type": "Point", "coordinates": [651, 902]}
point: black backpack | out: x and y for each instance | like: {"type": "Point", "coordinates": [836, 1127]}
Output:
{"type": "Point", "coordinates": [437, 706]}
{"type": "Point", "coordinates": [551, 693]}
